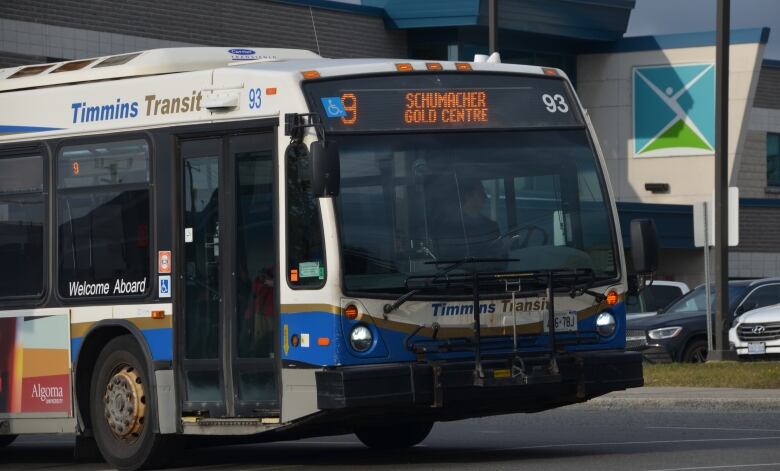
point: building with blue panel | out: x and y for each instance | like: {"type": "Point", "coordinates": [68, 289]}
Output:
{"type": "Point", "coordinates": [651, 99]}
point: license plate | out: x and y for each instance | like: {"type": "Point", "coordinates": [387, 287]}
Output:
{"type": "Point", "coordinates": [564, 322]}
{"type": "Point", "coordinates": [756, 348]}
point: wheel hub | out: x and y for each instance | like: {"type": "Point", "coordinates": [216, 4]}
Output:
{"type": "Point", "coordinates": [125, 403]}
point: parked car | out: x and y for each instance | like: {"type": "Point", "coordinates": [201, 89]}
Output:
{"type": "Point", "coordinates": [679, 332]}
{"type": "Point", "coordinates": [756, 333]}
{"type": "Point", "coordinates": [654, 298]}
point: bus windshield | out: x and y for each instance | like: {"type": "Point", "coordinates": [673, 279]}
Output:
{"type": "Point", "coordinates": [410, 200]}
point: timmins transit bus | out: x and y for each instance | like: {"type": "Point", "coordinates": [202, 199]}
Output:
{"type": "Point", "coordinates": [261, 244]}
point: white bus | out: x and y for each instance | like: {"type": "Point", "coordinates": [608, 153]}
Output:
{"type": "Point", "coordinates": [267, 245]}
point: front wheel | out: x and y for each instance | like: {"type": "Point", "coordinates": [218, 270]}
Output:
{"type": "Point", "coordinates": [394, 436]}
{"type": "Point", "coordinates": [6, 440]}
{"type": "Point", "coordinates": [123, 417]}
{"type": "Point", "coordinates": [696, 352]}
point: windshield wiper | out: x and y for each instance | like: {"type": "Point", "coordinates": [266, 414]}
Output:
{"type": "Point", "coordinates": [388, 308]}
{"type": "Point", "coordinates": [584, 288]}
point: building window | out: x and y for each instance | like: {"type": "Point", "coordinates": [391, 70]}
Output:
{"type": "Point", "coordinates": [103, 219]}
{"type": "Point", "coordinates": [22, 211]}
{"type": "Point", "coordinates": [773, 159]}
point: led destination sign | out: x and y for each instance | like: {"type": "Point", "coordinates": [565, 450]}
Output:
{"type": "Point", "coordinates": [446, 107]}
{"type": "Point", "coordinates": [443, 101]}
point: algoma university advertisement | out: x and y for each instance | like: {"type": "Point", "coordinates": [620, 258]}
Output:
{"type": "Point", "coordinates": [34, 365]}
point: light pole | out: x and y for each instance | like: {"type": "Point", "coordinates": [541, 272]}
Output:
{"type": "Point", "coordinates": [492, 26]}
{"type": "Point", "coordinates": [722, 351]}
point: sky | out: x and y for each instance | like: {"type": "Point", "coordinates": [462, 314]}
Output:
{"type": "Point", "coordinates": [687, 16]}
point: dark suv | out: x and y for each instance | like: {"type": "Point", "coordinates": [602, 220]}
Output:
{"type": "Point", "coordinates": [679, 332]}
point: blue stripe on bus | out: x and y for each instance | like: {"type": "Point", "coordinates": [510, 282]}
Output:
{"type": "Point", "coordinates": [20, 129]}
{"type": "Point", "coordinates": [390, 345]}
{"type": "Point", "coordinates": [160, 342]}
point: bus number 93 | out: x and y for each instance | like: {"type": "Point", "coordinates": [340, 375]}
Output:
{"type": "Point", "coordinates": [555, 103]}
{"type": "Point", "coordinates": [255, 98]}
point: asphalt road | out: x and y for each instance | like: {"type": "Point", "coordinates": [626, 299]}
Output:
{"type": "Point", "coordinates": [574, 438]}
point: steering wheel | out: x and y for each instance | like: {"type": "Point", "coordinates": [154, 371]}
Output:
{"type": "Point", "coordinates": [520, 237]}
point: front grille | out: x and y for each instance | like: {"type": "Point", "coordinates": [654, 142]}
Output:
{"type": "Point", "coordinates": [636, 338]}
{"type": "Point", "coordinates": [752, 332]}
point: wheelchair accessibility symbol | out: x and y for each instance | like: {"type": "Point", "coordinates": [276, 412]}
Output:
{"type": "Point", "coordinates": [164, 287]}
{"type": "Point", "coordinates": [334, 108]}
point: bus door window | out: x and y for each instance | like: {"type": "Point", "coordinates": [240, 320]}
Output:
{"type": "Point", "coordinates": [201, 214]}
{"type": "Point", "coordinates": [202, 270]}
{"type": "Point", "coordinates": [254, 370]}
{"type": "Point", "coordinates": [255, 256]}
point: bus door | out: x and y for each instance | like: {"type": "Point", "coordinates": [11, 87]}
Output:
{"type": "Point", "coordinates": [227, 309]}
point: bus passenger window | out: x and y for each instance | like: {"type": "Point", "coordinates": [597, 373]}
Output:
{"type": "Point", "coordinates": [21, 226]}
{"type": "Point", "coordinates": [305, 248]}
{"type": "Point", "coordinates": [103, 219]}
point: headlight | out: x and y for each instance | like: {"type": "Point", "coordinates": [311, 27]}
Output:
{"type": "Point", "coordinates": [605, 324]}
{"type": "Point", "coordinates": [360, 338]}
{"type": "Point", "coordinates": [664, 333]}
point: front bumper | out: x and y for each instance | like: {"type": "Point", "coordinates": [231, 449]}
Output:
{"type": "Point", "coordinates": [449, 388]}
{"type": "Point", "coordinates": [771, 347]}
{"type": "Point", "coordinates": [656, 353]}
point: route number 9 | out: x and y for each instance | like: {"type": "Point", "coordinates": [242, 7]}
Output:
{"type": "Point", "coordinates": [555, 103]}
{"type": "Point", "coordinates": [349, 101]}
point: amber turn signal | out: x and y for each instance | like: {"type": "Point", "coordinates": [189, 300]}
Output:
{"type": "Point", "coordinates": [351, 312]}
{"type": "Point", "coordinates": [612, 298]}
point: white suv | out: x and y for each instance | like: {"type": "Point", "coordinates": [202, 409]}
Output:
{"type": "Point", "coordinates": [757, 332]}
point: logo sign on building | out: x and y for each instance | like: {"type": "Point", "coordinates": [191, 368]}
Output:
{"type": "Point", "coordinates": [674, 110]}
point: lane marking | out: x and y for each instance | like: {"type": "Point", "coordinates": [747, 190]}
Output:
{"type": "Point", "coordinates": [650, 442]}
{"type": "Point", "coordinates": [719, 467]}
{"type": "Point", "coordinates": [254, 468]}
{"type": "Point", "coordinates": [320, 443]}
{"type": "Point", "coordinates": [719, 428]}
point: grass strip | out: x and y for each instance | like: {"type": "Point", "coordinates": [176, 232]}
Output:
{"type": "Point", "coordinates": [725, 374]}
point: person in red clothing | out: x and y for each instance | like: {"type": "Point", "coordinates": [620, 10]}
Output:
{"type": "Point", "coordinates": [259, 315]}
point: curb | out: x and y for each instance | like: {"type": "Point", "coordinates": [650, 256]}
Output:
{"type": "Point", "coordinates": [706, 404]}
{"type": "Point", "coordinates": [705, 399]}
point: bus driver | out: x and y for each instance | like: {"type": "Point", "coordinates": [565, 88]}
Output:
{"type": "Point", "coordinates": [480, 232]}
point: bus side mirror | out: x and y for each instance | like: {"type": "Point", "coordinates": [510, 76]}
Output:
{"type": "Point", "coordinates": [644, 246]}
{"type": "Point", "coordinates": [325, 170]}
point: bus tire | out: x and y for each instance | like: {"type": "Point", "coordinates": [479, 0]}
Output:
{"type": "Point", "coordinates": [6, 440]}
{"type": "Point", "coordinates": [395, 436]}
{"type": "Point", "coordinates": [122, 413]}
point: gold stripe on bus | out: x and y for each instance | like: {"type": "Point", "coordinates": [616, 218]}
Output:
{"type": "Point", "coordinates": [456, 332]}
{"type": "Point", "coordinates": [304, 308]}
{"type": "Point", "coordinates": [143, 323]}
